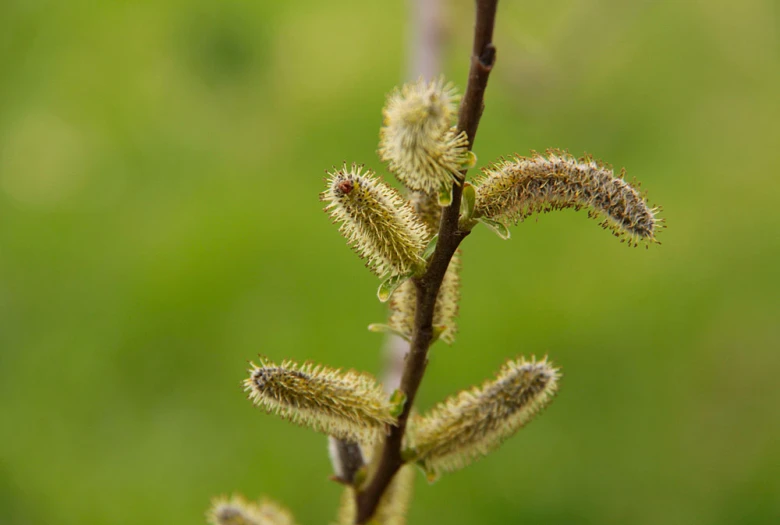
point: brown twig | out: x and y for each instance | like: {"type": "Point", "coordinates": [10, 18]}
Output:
{"type": "Point", "coordinates": [482, 60]}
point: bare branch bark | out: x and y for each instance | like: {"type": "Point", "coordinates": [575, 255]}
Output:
{"type": "Point", "coordinates": [482, 60]}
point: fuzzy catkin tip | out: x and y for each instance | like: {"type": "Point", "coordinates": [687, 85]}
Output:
{"type": "Point", "coordinates": [377, 222]}
{"type": "Point", "coordinates": [238, 511]}
{"type": "Point", "coordinates": [515, 189]}
{"type": "Point", "coordinates": [475, 422]}
{"type": "Point", "coordinates": [347, 405]}
{"type": "Point", "coordinates": [417, 140]}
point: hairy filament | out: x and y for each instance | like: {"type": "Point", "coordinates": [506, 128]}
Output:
{"type": "Point", "coordinates": [346, 405]}
{"type": "Point", "coordinates": [445, 313]}
{"type": "Point", "coordinates": [377, 222]}
{"type": "Point", "coordinates": [475, 422]}
{"type": "Point", "coordinates": [417, 141]}
{"type": "Point", "coordinates": [515, 189]}
{"type": "Point", "coordinates": [238, 511]}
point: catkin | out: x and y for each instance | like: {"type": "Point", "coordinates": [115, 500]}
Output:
{"type": "Point", "coordinates": [376, 221]}
{"type": "Point", "coordinates": [346, 405]}
{"type": "Point", "coordinates": [475, 422]}
{"type": "Point", "coordinates": [515, 189]}
{"type": "Point", "coordinates": [445, 312]}
{"type": "Point", "coordinates": [417, 140]}
{"type": "Point", "coordinates": [238, 511]}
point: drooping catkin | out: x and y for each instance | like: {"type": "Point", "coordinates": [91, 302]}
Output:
{"type": "Point", "coordinates": [475, 422]}
{"type": "Point", "coordinates": [445, 312]}
{"type": "Point", "coordinates": [515, 189]}
{"type": "Point", "coordinates": [238, 511]}
{"type": "Point", "coordinates": [417, 140]}
{"type": "Point", "coordinates": [346, 405]}
{"type": "Point", "coordinates": [377, 222]}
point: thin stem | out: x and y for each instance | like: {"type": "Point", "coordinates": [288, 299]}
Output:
{"type": "Point", "coordinates": [390, 461]}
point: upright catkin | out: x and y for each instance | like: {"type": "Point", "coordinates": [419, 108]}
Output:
{"type": "Point", "coordinates": [377, 222]}
{"type": "Point", "coordinates": [417, 141]}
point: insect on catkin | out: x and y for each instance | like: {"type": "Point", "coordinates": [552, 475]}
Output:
{"type": "Point", "coordinates": [377, 222]}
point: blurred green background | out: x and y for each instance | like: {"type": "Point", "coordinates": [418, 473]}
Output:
{"type": "Point", "coordinates": [159, 226]}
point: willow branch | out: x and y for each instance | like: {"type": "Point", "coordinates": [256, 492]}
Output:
{"type": "Point", "coordinates": [450, 237]}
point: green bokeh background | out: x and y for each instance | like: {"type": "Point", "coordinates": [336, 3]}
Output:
{"type": "Point", "coordinates": [159, 226]}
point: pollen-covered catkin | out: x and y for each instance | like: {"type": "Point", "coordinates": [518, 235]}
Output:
{"type": "Point", "coordinates": [475, 422]}
{"type": "Point", "coordinates": [445, 312]}
{"type": "Point", "coordinates": [376, 221]}
{"type": "Point", "coordinates": [346, 405]}
{"type": "Point", "coordinates": [515, 189]}
{"type": "Point", "coordinates": [238, 511]}
{"type": "Point", "coordinates": [417, 140]}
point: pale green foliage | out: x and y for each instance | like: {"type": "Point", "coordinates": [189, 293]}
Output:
{"type": "Point", "coordinates": [238, 511]}
{"type": "Point", "coordinates": [376, 221]}
{"type": "Point", "coordinates": [348, 405]}
{"type": "Point", "coordinates": [515, 189]}
{"type": "Point", "coordinates": [417, 140]}
{"type": "Point", "coordinates": [475, 422]}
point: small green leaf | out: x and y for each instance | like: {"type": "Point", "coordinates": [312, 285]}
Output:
{"type": "Point", "coordinates": [468, 202]}
{"type": "Point", "coordinates": [469, 161]}
{"type": "Point", "coordinates": [430, 476]}
{"type": "Point", "coordinates": [385, 328]}
{"type": "Point", "coordinates": [445, 195]}
{"type": "Point", "coordinates": [397, 400]}
{"type": "Point", "coordinates": [408, 454]}
{"type": "Point", "coordinates": [390, 285]}
{"type": "Point", "coordinates": [361, 476]}
{"type": "Point", "coordinates": [438, 329]}
{"type": "Point", "coordinates": [498, 228]}
{"type": "Point", "coordinates": [431, 247]}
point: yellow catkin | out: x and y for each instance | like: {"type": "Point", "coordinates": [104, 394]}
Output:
{"type": "Point", "coordinates": [376, 221]}
{"type": "Point", "coordinates": [393, 507]}
{"type": "Point", "coordinates": [344, 404]}
{"type": "Point", "coordinates": [475, 422]}
{"type": "Point", "coordinates": [445, 313]}
{"type": "Point", "coordinates": [417, 140]}
{"type": "Point", "coordinates": [515, 189]}
{"type": "Point", "coordinates": [238, 511]}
